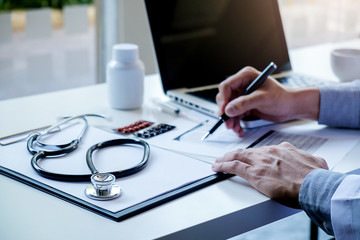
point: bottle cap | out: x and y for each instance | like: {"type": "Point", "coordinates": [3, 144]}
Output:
{"type": "Point", "coordinates": [125, 52]}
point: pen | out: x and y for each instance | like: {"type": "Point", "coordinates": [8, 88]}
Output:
{"type": "Point", "coordinates": [252, 87]}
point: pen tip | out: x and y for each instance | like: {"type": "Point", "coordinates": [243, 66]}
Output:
{"type": "Point", "coordinates": [205, 136]}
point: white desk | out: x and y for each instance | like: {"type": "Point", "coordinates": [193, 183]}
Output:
{"type": "Point", "coordinates": [222, 210]}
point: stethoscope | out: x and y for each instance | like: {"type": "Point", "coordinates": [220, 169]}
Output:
{"type": "Point", "coordinates": [103, 187]}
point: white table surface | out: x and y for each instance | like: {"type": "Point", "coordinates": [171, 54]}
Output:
{"type": "Point", "coordinates": [222, 210]}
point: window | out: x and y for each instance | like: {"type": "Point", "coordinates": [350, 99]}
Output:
{"type": "Point", "coordinates": [46, 46]}
{"type": "Point", "coordinates": [309, 22]}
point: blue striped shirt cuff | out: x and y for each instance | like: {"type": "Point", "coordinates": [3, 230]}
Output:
{"type": "Point", "coordinates": [315, 196]}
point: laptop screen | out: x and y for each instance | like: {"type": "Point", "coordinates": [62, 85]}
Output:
{"type": "Point", "coordinates": [202, 42]}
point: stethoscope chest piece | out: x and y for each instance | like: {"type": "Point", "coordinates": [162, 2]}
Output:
{"type": "Point", "coordinates": [103, 187]}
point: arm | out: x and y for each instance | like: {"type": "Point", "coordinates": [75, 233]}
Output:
{"type": "Point", "coordinates": [332, 201]}
{"type": "Point", "coordinates": [340, 105]}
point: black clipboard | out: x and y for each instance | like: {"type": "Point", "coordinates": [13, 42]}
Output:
{"type": "Point", "coordinates": [134, 209]}
{"type": "Point", "coordinates": [124, 213]}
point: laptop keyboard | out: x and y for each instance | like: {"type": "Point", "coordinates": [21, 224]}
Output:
{"type": "Point", "coordinates": [299, 80]}
{"type": "Point", "coordinates": [294, 80]}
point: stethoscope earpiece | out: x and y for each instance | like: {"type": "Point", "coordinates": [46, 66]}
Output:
{"type": "Point", "coordinates": [103, 187]}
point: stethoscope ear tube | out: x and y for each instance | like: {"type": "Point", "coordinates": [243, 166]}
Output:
{"type": "Point", "coordinates": [39, 154]}
{"type": "Point", "coordinates": [61, 149]}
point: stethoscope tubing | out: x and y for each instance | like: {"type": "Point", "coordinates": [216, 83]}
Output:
{"type": "Point", "coordinates": [117, 142]}
{"type": "Point", "coordinates": [41, 154]}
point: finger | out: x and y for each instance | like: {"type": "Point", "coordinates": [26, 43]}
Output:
{"type": "Point", "coordinates": [238, 129]}
{"type": "Point", "coordinates": [235, 83]}
{"type": "Point", "coordinates": [234, 124]}
{"type": "Point", "coordinates": [230, 123]}
{"type": "Point", "coordinates": [220, 101]}
{"type": "Point", "coordinates": [231, 156]}
{"type": "Point", "coordinates": [243, 104]}
{"type": "Point", "coordinates": [234, 167]}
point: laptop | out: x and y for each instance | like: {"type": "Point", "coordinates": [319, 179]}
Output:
{"type": "Point", "coordinates": [199, 43]}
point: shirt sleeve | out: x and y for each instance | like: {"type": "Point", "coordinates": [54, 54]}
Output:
{"type": "Point", "coordinates": [315, 196]}
{"type": "Point", "coordinates": [340, 104]}
{"type": "Point", "coordinates": [345, 209]}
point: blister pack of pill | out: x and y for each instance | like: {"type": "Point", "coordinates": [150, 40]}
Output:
{"type": "Point", "coordinates": [141, 124]}
{"type": "Point", "coordinates": [155, 130]}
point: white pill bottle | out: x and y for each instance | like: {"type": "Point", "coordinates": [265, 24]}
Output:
{"type": "Point", "coordinates": [125, 77]}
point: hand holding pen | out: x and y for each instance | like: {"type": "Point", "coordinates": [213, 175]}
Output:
{"type": "Point", "coordinates": [231, 85]}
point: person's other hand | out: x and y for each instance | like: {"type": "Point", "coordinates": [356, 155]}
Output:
{"type": "Point", "coordinates": [276, 171]}
{"type": "Point", "coordinates": [272, 101]}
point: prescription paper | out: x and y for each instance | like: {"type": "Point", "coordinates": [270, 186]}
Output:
{"type": "Point", "coordinates": [329, 143]}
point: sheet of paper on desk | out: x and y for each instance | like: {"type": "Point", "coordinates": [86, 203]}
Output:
{"type": "Point", "coordinates": [165, 170]}
{"type": "Point", "coordinates": [332, 144]}
{"type": "Point", "coordinates": [329, 143]}
{"type": "Point", "coordinates": [187, 138]}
